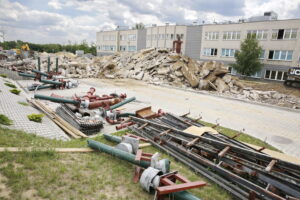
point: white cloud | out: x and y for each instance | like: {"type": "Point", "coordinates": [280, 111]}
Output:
{"type": "Point", "coordinates": [55, 4]}
{"type": "Point", "coordinates": [78, 20]}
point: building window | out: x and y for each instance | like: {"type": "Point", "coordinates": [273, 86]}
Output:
{"type": "Point", "coordinates": [257, 75]}
{"type": "Point", "coordinates": [112, 47]}
{"type": "Point", "coordinates": [211, 35]}
{"type": "Point", "coordinates": [131, 48]}
{"type": "Point", "coordinates": [262, 54]}
{"type": "Point", "coordinates": [123, 37]}
{"type": "Point", "coordinates": [228, 52]}
{"type": "Point", "coordinates": [275, 75]}
{"type": "Point", "coordinates": [131, 37]}
{"type": "Point", "coordinates": [167, 36]}
{"type": "Point", "coordinates": [112, 37]}
{"type": "Point", "coordinates": [210, 52]}
{"type": "Point", "coordinates": [181, 36]}
{"type": "Point", "coordinates": [231, 35]}
{"type": "Point", "coordinates": [258, 34]}
{"type": "Point", "coordinates": [280, 55]}
{"type": "Point", "coordinates": [284, 34]}
{"type": "Point", "coordinates": [122, 48]}
{"type": "Point", "coordinates": [172, 36]}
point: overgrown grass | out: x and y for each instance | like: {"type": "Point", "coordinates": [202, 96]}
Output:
{"type": "Point", "coordinates": [3, 75]}
{"type": "Point", "coordinates": [35, 117]}
{"type": "Point", "coordinates": [242, 137]}
{"type": "Point", "coordinates": [5, 120]}
{"type": "Point", "coordinates": [10, 85]}
{"type": "Point", "coordinates": [23, 103]}
{"type": "Point", "coordinates": [78, 175]}
{"type": "Point", "coordinates": [15, 91]}
{"type": "Point", "coordinates": [97, 175]}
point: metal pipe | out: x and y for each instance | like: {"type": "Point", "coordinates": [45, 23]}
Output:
{"type": "Point", "coordinates": [39, 72]}
{"type": "Point", "coordinates": [56, 99]}
{"type": "Point", "coordinates": [39, 87]}
{"type": "Point", "coordinates": [122, 103]}
{"type": "Point", "coordinates": [39, 63]}
{"type": "Point", "coordinates": [112, 138]}
{"type": "Point", "coordinates": [117, 153]}
{"type": "Point", "coordinates": [27, 75]}
{"type": "Point", "coordinates": [56, 68]}
{"type": "Point", "coordinates": [126, 114]}
{"type": "Point", "coordinates": [183, 195]}
{"type": "Point", "coordinates": [48, 70]}
{"type": "Point", "coordinates": [51, 82]}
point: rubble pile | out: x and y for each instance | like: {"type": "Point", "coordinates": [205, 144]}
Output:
{"type": "Point", "coordinates": [18, 65]}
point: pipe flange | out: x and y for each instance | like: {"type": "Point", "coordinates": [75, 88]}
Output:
{"type": "Point", "coordinates": [150, 179]}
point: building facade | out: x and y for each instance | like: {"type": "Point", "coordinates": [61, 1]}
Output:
{"type": "Point", "coordinates": [163, 37]}
{"type": "Point", "coordinates": [279, 40]}
{"type": "Point", "coordinates": [109, 42]}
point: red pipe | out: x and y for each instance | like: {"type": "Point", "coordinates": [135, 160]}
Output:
{"type": "Point", "coordinates": [124, 125]}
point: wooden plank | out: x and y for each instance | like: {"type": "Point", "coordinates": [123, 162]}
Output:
{"type": "Point", "coordinates": [59, 150]}
{"type": "Point", "coordinates": [199, 131]}
{"type": "Point", "coordinates": [144, 145]}
{"type": "Point", "coordinates": [224, 151]}
{"type": "Point", "coordinates": [270, 165]}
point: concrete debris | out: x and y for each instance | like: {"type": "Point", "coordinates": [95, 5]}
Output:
{"type": "Point", "coordinates": [156, 67]}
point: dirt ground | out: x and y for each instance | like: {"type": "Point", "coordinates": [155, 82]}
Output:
{"type": "Point", "coordinates": [272, 86]}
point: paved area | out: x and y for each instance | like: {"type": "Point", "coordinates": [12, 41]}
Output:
{"type": "Point", "coordinates": [278, 127]}
{"type": "Point", "coordinates": [10, 107]}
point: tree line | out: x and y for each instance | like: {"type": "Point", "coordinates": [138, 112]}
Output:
{"type": "Point", "coordinates": [50, 48]}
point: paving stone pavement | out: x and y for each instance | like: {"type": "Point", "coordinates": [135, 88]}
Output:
{"type": "Point", "coordinates": [10, 107]}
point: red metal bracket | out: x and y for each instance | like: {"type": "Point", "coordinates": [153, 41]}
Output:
{"type": "Point", "coordinates": [168, 185]}
{"type": "Point", "coordinates": [137, 137]}
{"type": "Point", "coordinates": [138, 170]}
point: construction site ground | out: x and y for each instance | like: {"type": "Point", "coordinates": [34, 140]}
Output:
{"type": "Point", "coordinates": [271, 86]}
{"type": "Point", "coordinates": [277, 126]}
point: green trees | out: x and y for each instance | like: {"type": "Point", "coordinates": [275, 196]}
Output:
{"type": "Point", "coordinates": [247, 59]}
{"type": "Point", "coordinates": [51, 48]}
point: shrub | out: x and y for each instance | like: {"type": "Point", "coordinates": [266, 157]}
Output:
{"type": "Point", "coordinates": [5, 120]}
{"type": "Point", "coordinates": [3, 75]}
{"type": "Point", "coordinates": [15, 91]}
{"type": "Point", "coordinates": [35, 117]}
{"type": "Point", "coordinates": [10, 85]}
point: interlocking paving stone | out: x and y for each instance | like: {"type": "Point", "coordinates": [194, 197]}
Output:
{"type": "Point", "coordinates": [10, 107]}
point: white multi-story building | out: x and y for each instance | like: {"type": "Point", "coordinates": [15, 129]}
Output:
{"type": "Point", "coordinates": [163, 37]}
{"type": "Point", "coordinates": [109, 42]}
{"type": "Point", "coordinates": [279, 40]}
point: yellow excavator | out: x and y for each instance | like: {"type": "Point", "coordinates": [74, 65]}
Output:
{"type": "Point", "coordinates": [23, 52]}
{"type": "Point", "coordinates": [293, 77]}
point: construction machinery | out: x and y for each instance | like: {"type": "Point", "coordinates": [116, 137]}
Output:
{"type": "Point", "coordinates": [293, 77]}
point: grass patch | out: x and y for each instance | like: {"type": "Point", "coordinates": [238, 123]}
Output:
{"type": "Point", "coordinates": [35, 117]}
{"type": "Point", "coordinates": [23, 103]}
{"type": "Point", "coordinates": [58, 175]}
{"type": "Point", "coordinates": [10, 85]}
{"type": "Point", "coordinates": [15, 91]}
{"type": "Point", "coordinates": [3, 75]}
{"type": "Point", "coordinates": [242, 137]}
{"type": "Point", "coordinates": [5, 120]}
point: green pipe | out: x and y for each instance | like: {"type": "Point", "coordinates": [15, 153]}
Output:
{"type": "Point", "coordinates": [56, 99]}
{"type": "Point", "coordinates": [122, 103]}
{"type": "Point", "coordinates": [183, 195]}
{"type": "Point", "coordinates": [39, 63]}
{"type": "Point", "coordinates": [117, 153]}
{"type": "Point", "coordinates": [56, 65]}
{"type": "Point", "coordinates": [112, 138]}
{"type": "Point", "coordinates": [39, 72]}
{"type": "Point", "coordinates": [27, 75]}
{"type": "Point", "coordinates": [50, 82]}
{"type": "Point", "coordinates": [126, 114]}
{"type": "Point", "coordinates": [31, 88]}
{"type": "Point", "coordinates": [48, 64]}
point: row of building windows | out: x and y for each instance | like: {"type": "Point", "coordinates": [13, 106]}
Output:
{"type": "Point", "coordinates": [113, 48]}
{"type": "Point", "coordinates": [277, 34]}
{"type": "Point", "coordinates": [275, 75]}
{"type": "Point", "coordinates": [273, 54]}
{"type": "Point", "coordinates": [164, 36]}
{"type": "Point", "coordinates": [109, 37]}
{"type": "Point", "coordinates": [129, 37]}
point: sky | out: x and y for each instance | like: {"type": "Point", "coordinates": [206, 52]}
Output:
{"type": "Point", "coordinates": [64, 21]}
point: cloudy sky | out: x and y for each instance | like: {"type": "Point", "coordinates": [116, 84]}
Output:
{"type": "Point", "coordinates": [60, 21]}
